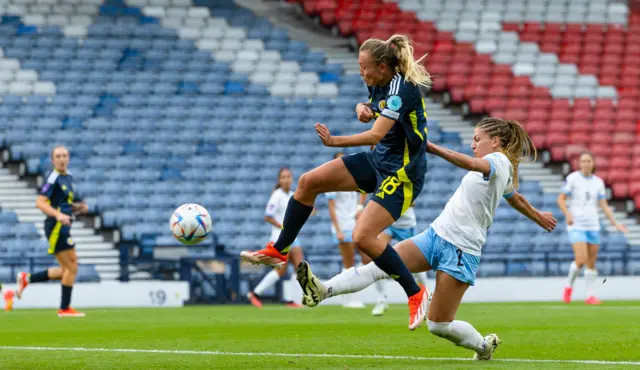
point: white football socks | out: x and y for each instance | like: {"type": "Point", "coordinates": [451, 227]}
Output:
{"type": "Point", "coordinates": [460, 333]}
{"type": "Point", "coordinates": [354, 279]}
{"type": "Point", "coordinates": [382, 296]}
{"type": "Point", "coordinates": [573, 273]}
{"type": "Point", "coordinates": [421, 277]}
{"type": "Point", "coordinates": [590, 276]}
{"type": "Point", "coordinates": [268, 280]}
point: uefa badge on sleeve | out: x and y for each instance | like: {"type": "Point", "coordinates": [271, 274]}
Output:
{"type": "Point", "coordinates": [394, 103]}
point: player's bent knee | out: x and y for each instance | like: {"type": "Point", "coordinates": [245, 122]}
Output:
{"type": "Point", "coordinates": [361, 239]}
{"type": "Point", "coordinates": [306, 183]}
{"type": "Point", "coordinates": [440, 329]}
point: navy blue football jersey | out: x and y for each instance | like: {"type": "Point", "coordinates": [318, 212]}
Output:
{"type": "Point", "coordinates": [59, 190]}
{"type": "Point", "coordinates": [403, 148]}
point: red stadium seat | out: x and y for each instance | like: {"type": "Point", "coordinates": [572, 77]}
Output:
{"type": "Point", "coordinates": [620, 190]}
{"type": "Point", "coordinates": [539, 140]}
{"type": "Point", "coordinates": [599, 149]}
{"type": "Point", "coordinates": [622, 150]}
{"type": "Point", "coordinates": [627, 127]}
{"type": "Point", "coordinates": [534, 127]}
{"type": "Point", "coordinates": [634, 188]}
{"type": "Point", "coordinates": [623, 163]}
{"type": "Point", "coordinates": [474, 90]}
{"type": "Point", "coordinates": [558, 126]}
{"type": "Point", "coordinates": [578, 137]}
{"type": "Point", "coordinates": [617, 176]}
{"type": "Point", "coordinates": [477, 105]}
{"type": "Point", "coordinates": [583, 115]}
{"type": "Point", "coordinates": [582, 126]}
{"type": "Point", "coordinates": [574, 150]}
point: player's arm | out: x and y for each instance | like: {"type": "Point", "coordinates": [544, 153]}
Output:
{"type": "Point", "coordinates": [607, 211]}
{"type": "Point", "coordinates": [270, 211]}
{"type": "Point", "coordinates": [562, 204]}
{"type": "Point", "coordinates": [42, 203]}
{"type": "Point", "coordinates": [562, 200]}
{"type": "Point", "coordinates": [544, 219]}
{"type": "Point", "coordinates": [333, 216]}
{"type": "Point", "coordinates": [272, 221]}
{"type": "Point", "coordinates": [460, 159]}
{"type": "Point", "coordinates": [380, 128]}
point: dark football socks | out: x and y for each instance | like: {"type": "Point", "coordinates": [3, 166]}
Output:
{"type": "Point", "coordinates": [39, 277]}
{"type": "Point", "coordinates": [391, 263]}
{"type": "Point", "coordinates": [65, 300]}
{"type": "Point", "coordinates": [294, 218]}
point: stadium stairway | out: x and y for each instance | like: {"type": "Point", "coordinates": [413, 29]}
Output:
{"type": "Point", "coordinates": [550, 182]}
{"type": "Point", "coordinates": [336, 48]}
{"type": "Point", "coordinates": [17, 196]}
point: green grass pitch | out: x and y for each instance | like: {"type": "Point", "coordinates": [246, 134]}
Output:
{"type": "Point", "coordinates": [535, 336]}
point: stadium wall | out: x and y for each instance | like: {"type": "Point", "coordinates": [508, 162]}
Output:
{"type": "Point", "coordinates": [509, 289]}
{"type": "Point", "coordinates": [107, 295]}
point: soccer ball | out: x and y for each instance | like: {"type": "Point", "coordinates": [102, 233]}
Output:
{"type": "Point", "coordinates": [190, 223]}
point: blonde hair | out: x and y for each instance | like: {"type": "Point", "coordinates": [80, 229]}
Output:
{"type": "Point", "coordinates": [516, 143]}
{"type": "Point", "coordinates": [397, 53]}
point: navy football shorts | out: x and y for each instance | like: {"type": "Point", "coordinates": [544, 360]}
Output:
{"type": "Point", "coordinates": [386, 188]}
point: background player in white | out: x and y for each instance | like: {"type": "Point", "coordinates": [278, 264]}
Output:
{"type": "Point", "coordinates": [452, 245]}
{"type": "Point", "coordinates": [403, 229]}
{"type": "Point", "coordinates": [274, 214]}
{"type": "Point", "coordinates": [343, 206]}
{"type": "Point", "coordinates": [585, 192]}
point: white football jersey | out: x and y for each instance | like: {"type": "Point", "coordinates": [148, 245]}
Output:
{"type": "Point", "coordinates": [276, 207]}
{"type": "Point", "coordinates": [584, 194]}
{"type": "Point", "coordinates": [469, 213]}
{"type": "Point", "coordinates": [346, 203]}
{"type": "Point", "coordinates": [407, 220]}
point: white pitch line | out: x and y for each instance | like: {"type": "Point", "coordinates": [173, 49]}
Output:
{"type": "Point", "coordinates": [320, 355]}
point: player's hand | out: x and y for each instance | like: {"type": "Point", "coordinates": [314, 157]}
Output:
{"type": "Point", "coordinates": [324, 134]}
{"type": "Point", "coordinates": [620, 227]}
{"type": "Point", "coordinates": [80, 208]}
{"type": "Point", "coordinates": [547, 221]}
{"type": "Point", "coordinates": [63, 219]}
{"type": "Point", "coordinates": [569, 219]}
{"type": "Point", "coordinates": [340, 236]}
{"type": "Point", "coordinates": [364, 112]}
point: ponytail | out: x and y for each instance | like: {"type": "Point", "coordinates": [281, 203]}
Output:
{"type": "Point", "coordinates": [397, 53]}
{"type": "Point", "coordinates": [516, 143]}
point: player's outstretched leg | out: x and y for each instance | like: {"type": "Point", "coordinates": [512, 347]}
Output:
{"type": "Point", "coordinates": [441, 320]}
{"type": "Point", "coordinates": [23, 279]}
{"type": "Point", "coordinates": [331, 176]}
